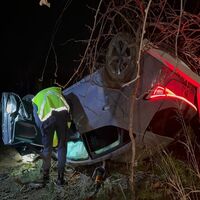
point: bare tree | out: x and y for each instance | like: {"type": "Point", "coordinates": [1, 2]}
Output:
{"type": "Point", "coordinates": [162, 24]}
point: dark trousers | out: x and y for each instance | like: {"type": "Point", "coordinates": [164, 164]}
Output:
{"type": "Point", "coordinates": [56, 122]}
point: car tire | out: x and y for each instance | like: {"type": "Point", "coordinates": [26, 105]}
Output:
{"type": "Point", "coordinates": [120, 65]}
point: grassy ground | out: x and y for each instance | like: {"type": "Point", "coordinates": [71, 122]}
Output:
{"type": "Point", "coordinates": [170, 174]}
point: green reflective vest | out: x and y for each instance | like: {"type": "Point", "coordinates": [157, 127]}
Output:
{"type": "Point", "coordinates": [48, 100]}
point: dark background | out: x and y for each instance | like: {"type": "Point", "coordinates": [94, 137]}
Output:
{"type": "Point", "coordinates": [26, 33]}
{"type": "Point", "coordinates": [27, 29]}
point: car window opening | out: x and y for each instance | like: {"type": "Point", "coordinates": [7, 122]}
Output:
{"type": "Point", "coordinates": [106, 138]}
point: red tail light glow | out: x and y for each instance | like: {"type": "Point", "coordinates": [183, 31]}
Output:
{"type": "Point", "coordinates": [163, 92]}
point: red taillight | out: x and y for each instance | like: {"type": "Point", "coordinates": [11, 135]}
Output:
{"type": "Point", "coordinates": [163, 92]}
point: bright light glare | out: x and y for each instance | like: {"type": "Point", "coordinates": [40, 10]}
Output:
{"type": "Point", "coordinates": [9, 108]}
{"type": "Point", "coordinates": [28, 158]}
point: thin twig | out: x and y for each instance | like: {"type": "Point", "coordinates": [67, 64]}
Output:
{"type": "Point", "coordinates": [91, 35]}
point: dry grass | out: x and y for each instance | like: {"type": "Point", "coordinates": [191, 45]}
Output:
{"type": "Point", "coordinates": [172, 174]}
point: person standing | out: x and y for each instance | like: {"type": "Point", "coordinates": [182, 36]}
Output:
{"type": "Point", "coordinates": [52, 113]}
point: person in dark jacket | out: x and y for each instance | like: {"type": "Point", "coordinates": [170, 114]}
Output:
{"type": "Point", "coordinates": [52, 113]}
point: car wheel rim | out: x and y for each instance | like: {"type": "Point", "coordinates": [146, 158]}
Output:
{"type": "Point", "coordinates": [120, 58]}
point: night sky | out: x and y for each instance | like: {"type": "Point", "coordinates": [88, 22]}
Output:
{"type": "Point", "coordinates": [27, 28]}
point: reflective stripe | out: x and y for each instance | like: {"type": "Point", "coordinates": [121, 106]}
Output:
{"type": "Point", "coordinates": [64, 101]}
{"type": "Point", "coordinates": [52, 109]}
{"type": "Point", "coordinates": [41, 112]}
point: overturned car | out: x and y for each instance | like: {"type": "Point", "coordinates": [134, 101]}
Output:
{"type": "Point", "coordinates": [168, 95]}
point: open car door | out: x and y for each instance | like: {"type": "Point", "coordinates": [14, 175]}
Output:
{"type": "Point", "coordinates": [17, 120]}
{"type": "Point", "coordinates": [19, 128]}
